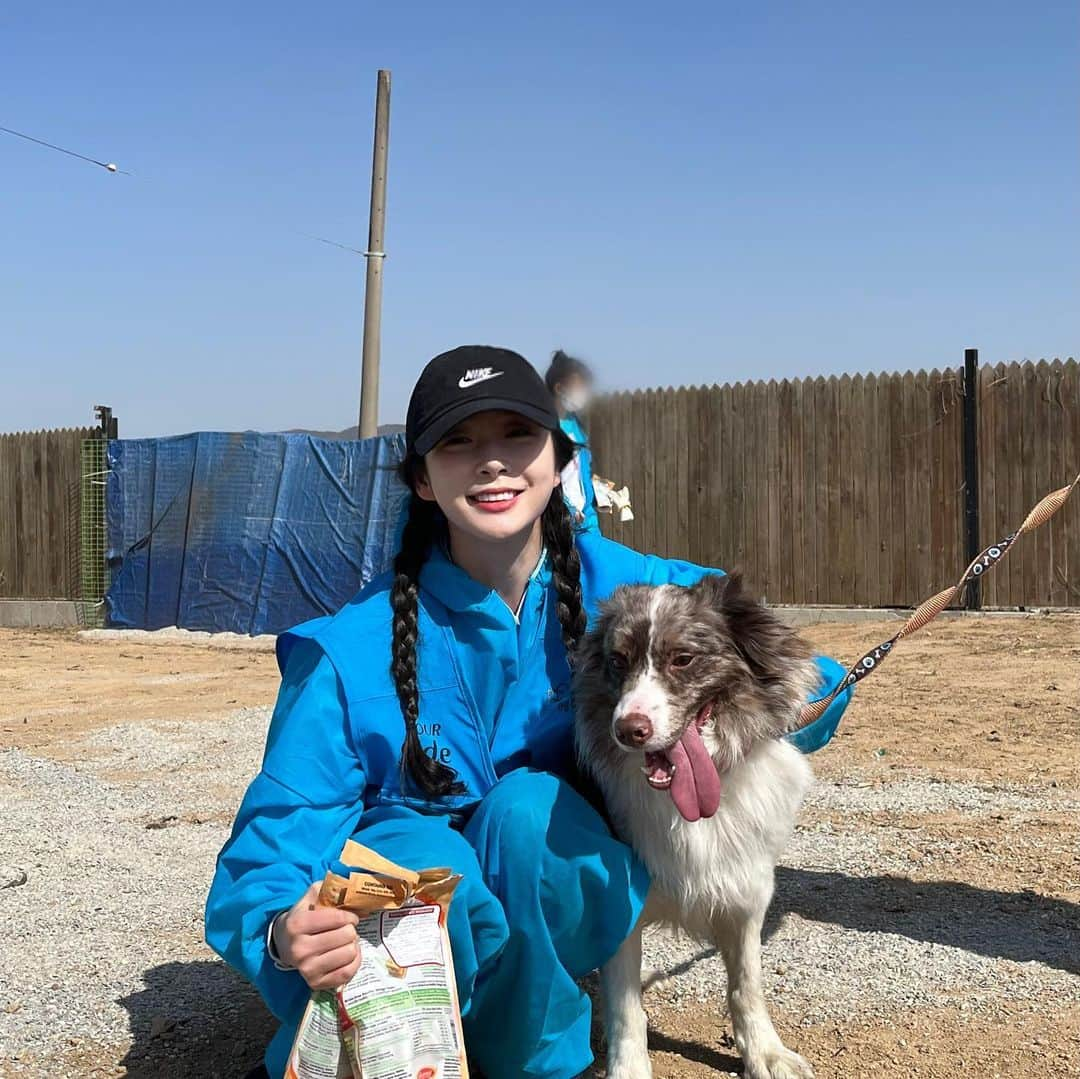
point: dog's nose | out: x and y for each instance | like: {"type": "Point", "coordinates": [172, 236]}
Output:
{"type": "Point", "coordinates": [634, 729]}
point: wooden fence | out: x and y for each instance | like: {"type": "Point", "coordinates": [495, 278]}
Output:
{"type": "Point", "coordinates": [851, 490]}
{"type": "Point", "coordinates": [833, 491]}
{"type": "Point", "coordinates": [40, 473]}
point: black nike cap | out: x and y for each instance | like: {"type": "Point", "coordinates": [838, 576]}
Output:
{"type": "Point", "coordinates": [471, 379]}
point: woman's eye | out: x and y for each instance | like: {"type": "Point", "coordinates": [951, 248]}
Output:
{"type": "Point", "coordinates": [682, 659]}
{"type": "Point", "coordinates": [523, 432]}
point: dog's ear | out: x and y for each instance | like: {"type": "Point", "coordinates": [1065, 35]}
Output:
{"type": "Point", "coordinates": [714, 586]}
{"type": "Point", "coordinates": [589, 657]}
{"type": "Point", "coordinates": [768, 646]}
{"type": "Point", "coordinates": [588, 674]}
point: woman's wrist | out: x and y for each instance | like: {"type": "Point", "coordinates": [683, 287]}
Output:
{"type": "Point", "coordinates": [271, 942]}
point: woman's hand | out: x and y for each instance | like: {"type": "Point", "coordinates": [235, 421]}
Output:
{"type": "Point", "coordinates": [320, 942]}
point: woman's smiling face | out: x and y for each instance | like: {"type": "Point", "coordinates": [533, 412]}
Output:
{"type": "Point", "coordinates": [492, 475]}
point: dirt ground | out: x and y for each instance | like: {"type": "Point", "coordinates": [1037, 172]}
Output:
{"type": "Point", "coordinates": [990, 703]}
{"type": "Point", "coordinates": [55, 686]}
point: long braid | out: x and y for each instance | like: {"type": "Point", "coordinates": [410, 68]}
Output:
{"type": "Point", "coordinates": [558, 532]}
{"type": "Point", "coordinates": [434, 778]}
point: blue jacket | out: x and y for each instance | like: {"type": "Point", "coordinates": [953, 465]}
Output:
{"type": "Point", "coordinates": [572, 428]}
{"type": "Point", "coordinates": [495, 696]}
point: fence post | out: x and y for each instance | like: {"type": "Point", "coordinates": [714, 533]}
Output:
{"type": "Point", "coordinates": [107, 422]}
{"type": "Point", "coordinates": [973, 600]}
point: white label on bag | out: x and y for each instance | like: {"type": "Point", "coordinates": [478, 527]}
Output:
{"type": "Point", "coordinates": [399, 1005]}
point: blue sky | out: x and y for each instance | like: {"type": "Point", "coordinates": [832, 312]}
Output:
{"type": "Point", "coordinates": [681, 193]}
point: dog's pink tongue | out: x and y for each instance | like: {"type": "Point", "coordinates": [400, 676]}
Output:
{"type": "Point", "coordinates": [695, 787]}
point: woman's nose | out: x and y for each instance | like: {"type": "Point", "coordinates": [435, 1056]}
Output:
{"type": "Point", "coordinates": [491, 464]}
{"type": "Point", "coordinates": [492, 468]}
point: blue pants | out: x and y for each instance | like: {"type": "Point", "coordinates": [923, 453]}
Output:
{"type": "Point", "coordinates": [547, 896]}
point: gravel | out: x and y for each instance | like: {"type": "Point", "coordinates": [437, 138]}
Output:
{"type": "Point", "coordinates": [103, 939]}
{"type": "Point", "coordinates": [928, 795]}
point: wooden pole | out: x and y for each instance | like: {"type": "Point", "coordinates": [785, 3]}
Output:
{"type": "Point", "coordinates": [375, 254]}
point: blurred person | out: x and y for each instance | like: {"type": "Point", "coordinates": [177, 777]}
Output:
{"type": "Point", "coordinates": [571, 383]}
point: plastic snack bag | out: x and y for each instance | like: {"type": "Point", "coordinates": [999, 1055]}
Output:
{"type": "Point", "coordinates": [398, 1017]}
{"type": "Point", "coordinates": [317, 1051]}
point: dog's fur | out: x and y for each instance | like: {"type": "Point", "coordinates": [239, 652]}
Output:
{"type": "Point", "coordinates": [712, 878]}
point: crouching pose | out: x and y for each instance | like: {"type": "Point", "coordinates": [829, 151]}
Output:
{"type": "Point", "coordinates": [431, 720]}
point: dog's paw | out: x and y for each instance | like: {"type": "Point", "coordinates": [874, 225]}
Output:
{"type": "Point", "coordinates": [779, 1063]}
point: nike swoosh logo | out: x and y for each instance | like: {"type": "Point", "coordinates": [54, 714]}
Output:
{"type": "Point", "coordinates": [465, 381]}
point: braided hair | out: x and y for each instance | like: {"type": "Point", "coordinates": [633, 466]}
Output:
{"type": "Point", "coordinates": [431, 777]}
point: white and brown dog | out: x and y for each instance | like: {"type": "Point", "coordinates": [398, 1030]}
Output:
{"type": "Point", "coordinates": [682, 696]}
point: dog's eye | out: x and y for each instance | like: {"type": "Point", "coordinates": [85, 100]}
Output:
{"type": "Point", "coordinates": [682, 659]}
{"type": "Point", "coordinates": [619, 663]}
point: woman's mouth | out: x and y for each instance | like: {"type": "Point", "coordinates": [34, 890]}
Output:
{"type": "Point", "coordinates": [497, 501]}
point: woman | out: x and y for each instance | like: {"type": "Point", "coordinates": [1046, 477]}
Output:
{"type": "Point", "coordinates": [430, 719]}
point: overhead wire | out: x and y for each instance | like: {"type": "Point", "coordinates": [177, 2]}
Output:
{"type": "Point", "coordinates": [108, 166]}
{"type": "Point", "coordinates": [111, 167]}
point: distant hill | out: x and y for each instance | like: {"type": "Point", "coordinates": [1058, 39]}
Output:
{"type": "Point", "coordinates": [348, 432]}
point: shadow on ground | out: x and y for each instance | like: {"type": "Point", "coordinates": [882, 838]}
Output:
{"type": "Point", "coordinates": [693, 1051]}
{"type": "Point", "coordinates": [202, 1019]}
{"type": "Point", "coordinates": [195, 1019]}
{"type": "Point", "coordinates": [1021, 926]}
{"type": "Point", "coordinates": [1024, 927]}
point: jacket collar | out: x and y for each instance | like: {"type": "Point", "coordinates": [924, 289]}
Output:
{"type": "Point", "coordinates": [457, 591]}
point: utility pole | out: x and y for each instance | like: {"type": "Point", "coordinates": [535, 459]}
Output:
{"type": "Point", "coordinates": [369, 379]}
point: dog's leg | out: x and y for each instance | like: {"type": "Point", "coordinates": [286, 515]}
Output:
{"type": "Point", "coordinates": [624, 1017]}
{"type": "Point", "coordinates": [763, 1053]}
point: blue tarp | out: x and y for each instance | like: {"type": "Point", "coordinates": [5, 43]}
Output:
{"type": "Point", "coordinates": [246, 532]}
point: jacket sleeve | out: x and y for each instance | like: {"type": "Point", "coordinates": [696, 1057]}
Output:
{"type": "Point", "coordinates": [297, 813]}
{"type": "Point", "coordinates": [820, 732]}
{"type": "Point", "coordinates": [607, 565]}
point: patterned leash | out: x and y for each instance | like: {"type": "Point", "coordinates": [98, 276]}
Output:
{"type": "Point", "coordinates": [931, 608]}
